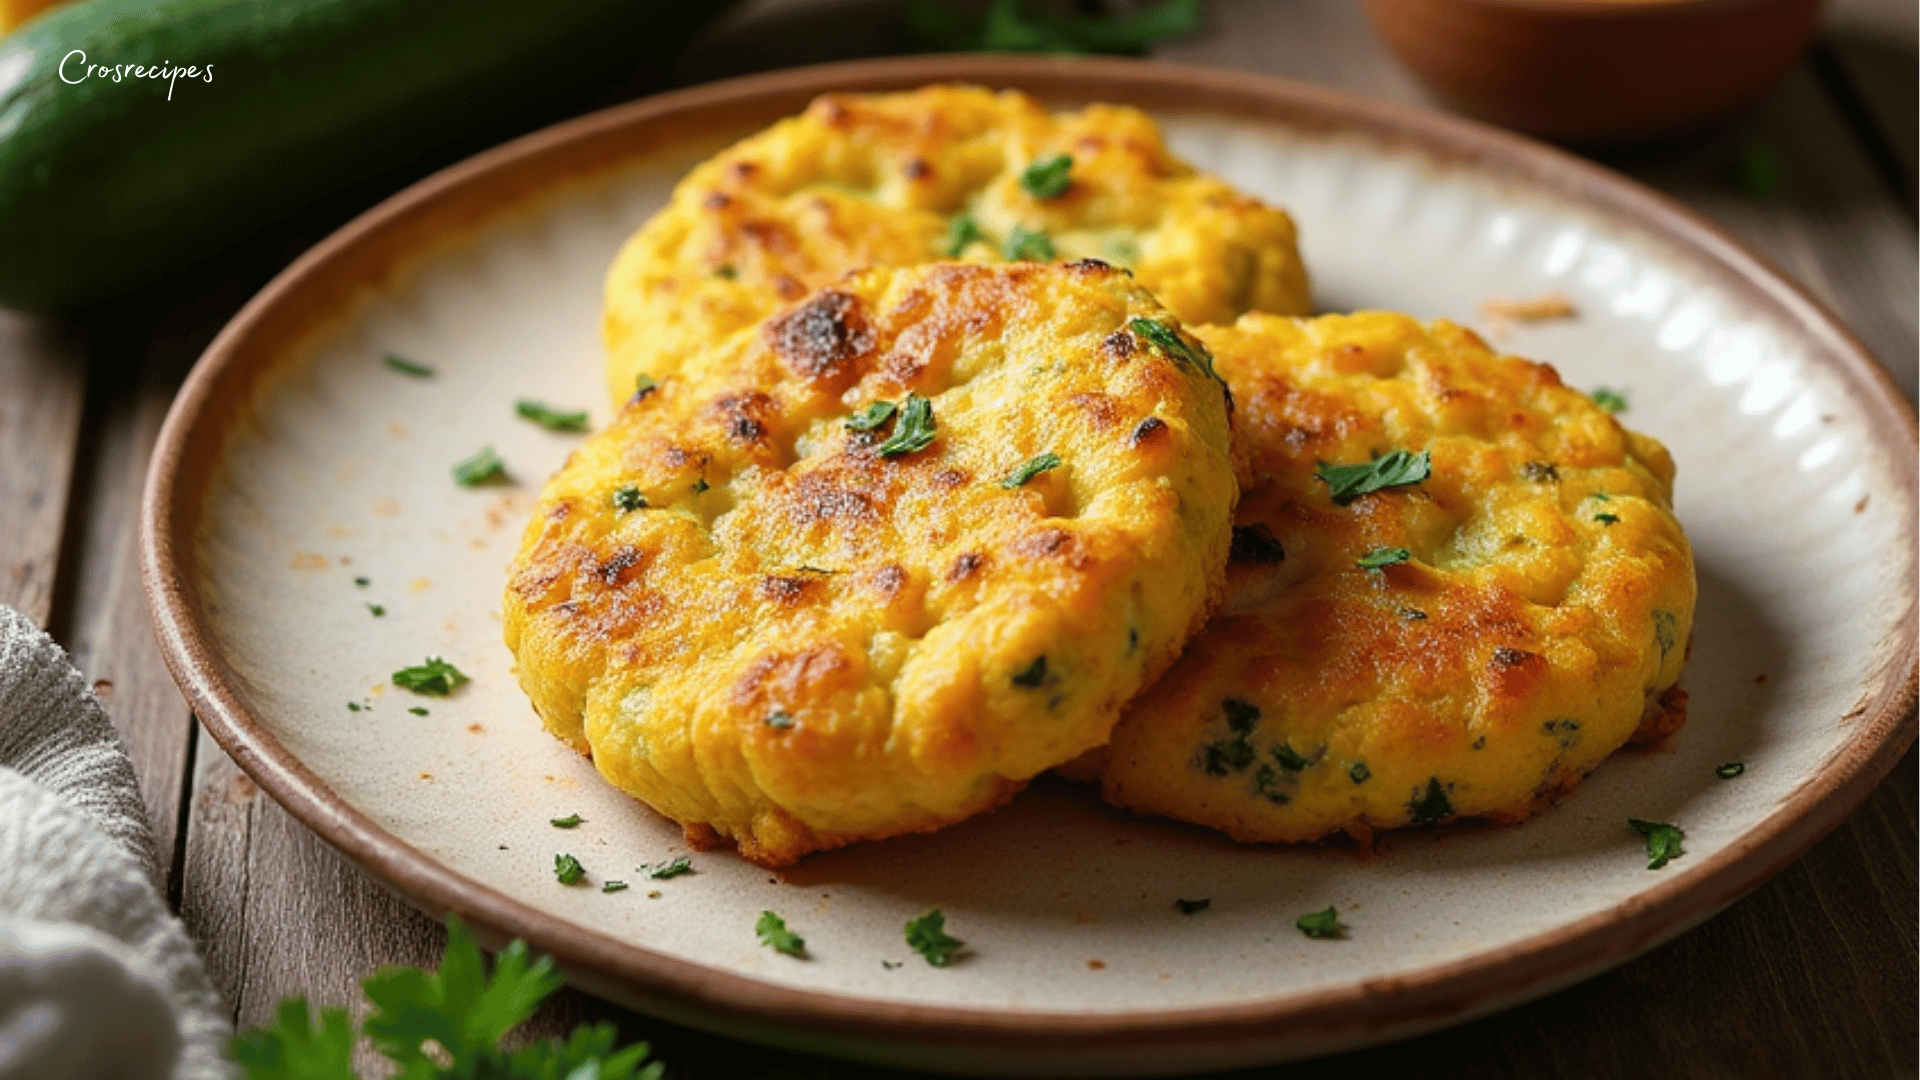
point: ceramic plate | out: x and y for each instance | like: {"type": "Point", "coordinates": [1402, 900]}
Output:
{"type": "Point", "coordinates": [294, 462]}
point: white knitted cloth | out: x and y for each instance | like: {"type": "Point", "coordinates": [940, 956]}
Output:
{"type": "Point", "coordinates": [97, 978]}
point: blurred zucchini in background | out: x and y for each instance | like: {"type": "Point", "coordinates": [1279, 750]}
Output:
{"type": "Point", "coordinates": [106, 186]}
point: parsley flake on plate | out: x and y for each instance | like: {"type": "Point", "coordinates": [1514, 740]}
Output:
{"type": "Point", "coordinates": [484, 467]}
{"type": "Point", "coordinates": [928, 937]}
{"type": "Point", "coordinates": [418, 710]}
{"type": "Point", "coordinates": [551, 418]}
{"type": "Point", "coordinates": [1730, 770]}
{"type": "Point", "coordinates": [396, 362]}
{"type": "Point", "coordinates": [962, 232]}
{"type": "Point", "coordinates": [1030, 468]}
{"type": "Point", "coordinates": [568, 822]}
{"type": "Point", "coordinates": [1383, 556]}
{"type": "Point", "coordinates": [668, 870]}
{"type": "Point", "coordinates": [1397, 469]}
{"type": "Point", "coordinates": [612, 886]}
{"type": "Point", "coordinates": [1611, 400]}
{"type": "Point", "coordinates": [1192, 907]}
{"type": "Point", "coordinates": [1048, 178]}
{"type": "Point", "coordinates": [775, 935]}
{"type": "Point", "coordinates": [890, 964]}
{"type": "Point", "coordinates": [362, 582]}
{"type": "Point", "coordinates": [1323, 925]}
{"type": "Point", "coordinates": [377, 610]}
{"type": "Point", "coordinates": [913, 432]}
{"type": "Point", "coordinates": [1024, 245]}
{"type": "Point", "coordinates": [435, 678]}
{"type": "Point", "coordinates": [1663, 841]}
{"type": "Point", "coordinates": [567, 870]}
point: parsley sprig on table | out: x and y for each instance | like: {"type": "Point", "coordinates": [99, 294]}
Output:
{"type": "Point", "coordinates": [1013, 26]}
{"type": "Point", "coordinates": [443, 1024]}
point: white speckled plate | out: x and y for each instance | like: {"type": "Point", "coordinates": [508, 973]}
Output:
{"type": "Point", "coordinates": [294, 462]}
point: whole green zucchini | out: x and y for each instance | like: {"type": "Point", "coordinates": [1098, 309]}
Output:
{"type": "Point", "coordinates": [249, 110]}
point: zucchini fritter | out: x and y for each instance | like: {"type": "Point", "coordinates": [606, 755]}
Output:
{"type": "Point", "coordinates": [863, 180]}
{"type": "Point", "coordinates": [1464, 634]}
{"type": "Point", "coordinates": [866, 568]}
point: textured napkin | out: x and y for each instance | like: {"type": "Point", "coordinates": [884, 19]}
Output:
{"type": "Point", "coordinates": [97, 978]}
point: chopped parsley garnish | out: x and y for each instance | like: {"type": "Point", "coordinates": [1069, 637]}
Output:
{"type": "Point", "coordinates": [1383, 556]}
{"type": "Point", "coordinates": [627, 498]}
{"type": "Point", "coordinates": [418, 710]}
{"type": "Point", "coordinates": [1233, 754]}
{"type": "Point", "coordinates": [1031, 468]}
{"type": "Point", "coordinates": [435, 678]}
{"type": "Point", "coordinates": [1162, 337]}
{"type": "Point", "coordinates": [1611, 400]}
{"type": "Point", "coordinates": [1192, 907]}
{"type": "Point", "coordinates": [1666, 632]}
{"type": "Point", "coordinates": [1432, 805]}
{"type": "Point", "coordinates": [700, 485]}
{"type": "Point", "coordinates": [1606, 519]}
{"type": "Point", "coordinates": [404, 366]}
{"type": "Point", "coordinates": [780, 718]}
{"type": "Point", "coordinates": [1730, 770]}
{"type": "Point", "coordinates": [567, 870]}
{"type": "Point", "coordinates": [1663, 841]}
{"type": "Point", "coordinates": [1289, 759]}
{"type": "Point", "coordinates": [726, 272]}
{"type": "Point", "coordinates": [1323, 925]}
{"type": "Point", "coordinates": [1048, 178]}
{"type": "Point", "coordinates": [567, 822]}
{"type": "Point", "coordinates": [377, 610]}
{"type": "Point", "coordinates": [1008, 26]}
{"type": "Point", "coordinates": [927, 935]}
{"type": "Point", "coordinates": [871, 418]}
{"type": "Point", "coordinates": [1397, 469]}
{"type": "Point", "coordinates": [1034, 675]}
{"type": "Point", "coordinates": [612, 886]}
{"type": "Point", "coordinates": [482, 468]}
{"type": "Point", "coordinates": [643, 385]}
{"type": "Point", "coordinates": [962, 231]}
{"type": "Point", "coordinates": [1359, 772]}
{"type": "Point", "coordinates": [1412, 614]}
{"type": "Point", "coordinates": [551, 418]}
{"type": "Point", "coordinates": [775, 935]}
{"type": "Point", "coordinates": [890, 964]}
{"type": "Point", "coordinates": [913, 432]}
{"type": "Point", "coordinates": [669, 870]}
{"type": "Point", "coordinates": [354, 706]}
{"type": "Point", "coordinates": [1027, 246]}
{"type": "Point", "coordinates": [362, 582]}
{"type": "Point", "coordinates": [1241, 715]}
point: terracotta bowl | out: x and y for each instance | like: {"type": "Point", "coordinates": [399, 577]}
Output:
{"type": "Point", "coordinates": [1597, 71]}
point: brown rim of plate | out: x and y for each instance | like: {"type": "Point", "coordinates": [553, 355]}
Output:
{"type": "Point", "coordinates": [317, 283]}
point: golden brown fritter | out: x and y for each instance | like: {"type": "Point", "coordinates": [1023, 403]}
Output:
{"type": "Point", "coordinates": [864, 180]}
{"type": "Point", "coordinates": [1466, 644]}
{"type": "Point", "coordinates": [778, 629]}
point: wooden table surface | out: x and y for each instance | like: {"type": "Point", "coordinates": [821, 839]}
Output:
{"type": "Point", "coordinates": [1814, 974]}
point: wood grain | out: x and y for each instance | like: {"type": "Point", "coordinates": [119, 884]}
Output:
{"type": "Point", "coordinates": [1812, 975]}
{"type": "Point", "coordinates": [42, 389]}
